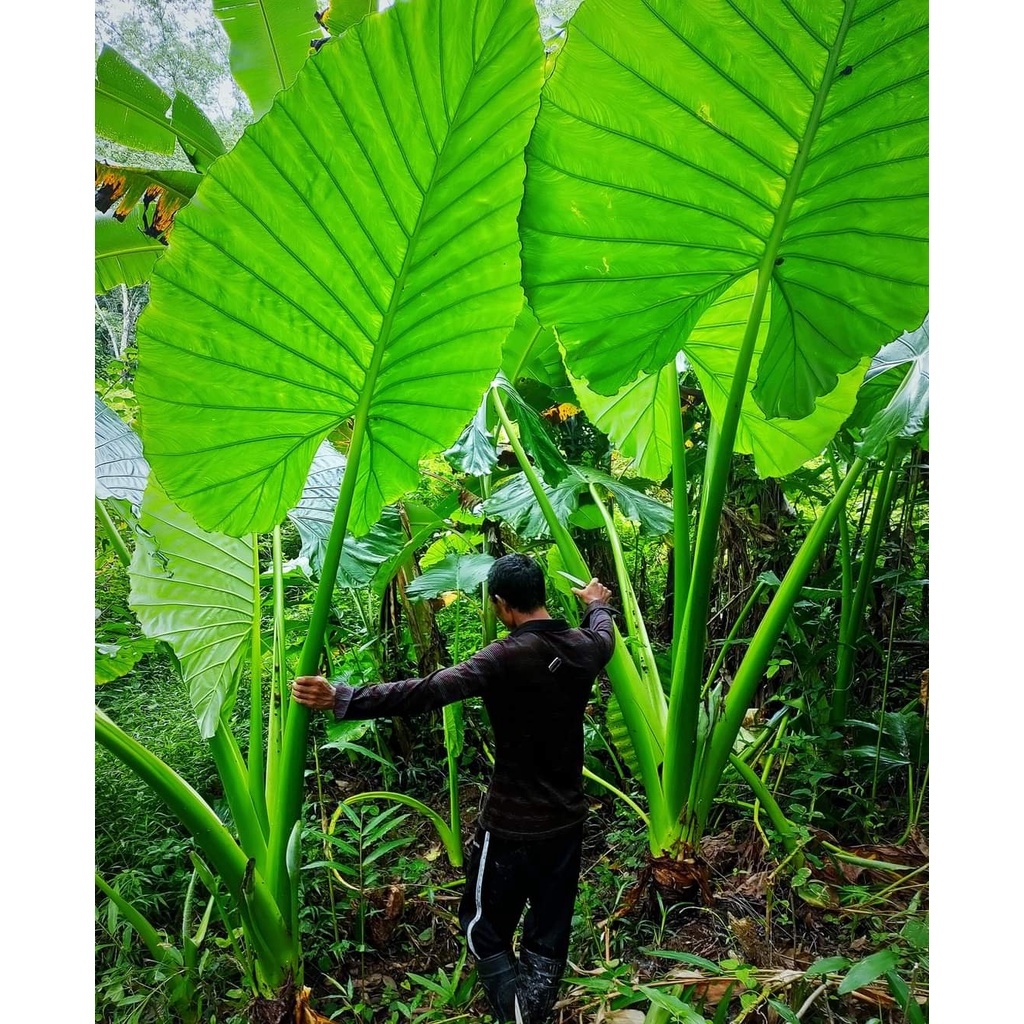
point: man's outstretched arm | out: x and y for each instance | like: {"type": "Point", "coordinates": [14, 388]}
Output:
{"type": "Point", "coordinates": [405, 696]}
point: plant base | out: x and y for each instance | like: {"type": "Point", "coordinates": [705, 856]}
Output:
{"type": "Point", "coordinates": [289, 1006]}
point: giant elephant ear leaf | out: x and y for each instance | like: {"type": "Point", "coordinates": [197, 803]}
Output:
{"type": "Point", "coordinates": [681, 147]}
{"type": "Point", "coordinates": [194, 589]}
{"type": "Point", "coordinates": [270, 41]}
{"type": "Point", "coordinates": [355, 255]}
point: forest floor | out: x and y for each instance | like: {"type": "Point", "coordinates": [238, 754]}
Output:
{"type": "Point", "coordinates": [748, 940]}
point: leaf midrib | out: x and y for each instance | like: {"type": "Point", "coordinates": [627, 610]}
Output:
{"type": "Point", "coordinates": [384, 335]}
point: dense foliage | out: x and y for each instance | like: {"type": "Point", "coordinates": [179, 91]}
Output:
{"type": "Point", "coordinates": [641, 296]}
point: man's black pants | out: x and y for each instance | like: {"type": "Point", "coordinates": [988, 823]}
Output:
{"type": "Point", "coordinates": [503, 875]}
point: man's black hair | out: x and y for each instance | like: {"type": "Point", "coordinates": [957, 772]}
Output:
{"type": "Point", "coordinates": [519, 580]}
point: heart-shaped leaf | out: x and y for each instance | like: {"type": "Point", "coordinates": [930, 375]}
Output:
{"type": "Point", "coordinates": [355, 255]}
{"type": "Point", "coordinates": [682, 147]}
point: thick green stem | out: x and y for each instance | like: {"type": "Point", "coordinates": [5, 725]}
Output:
{"type": "Point", "coordinates": [854, 621]}
{"type": "Point", "coordinates": [752, 668]}
{"type": "Point", "coordinates": [645, 663]}
{"type": "Point", "coordinates": [687, 672]}
{"type": "Point", "coordinates": [116, 540]}
{"type": "Point", "coordinates": [296, 733]}
{"type": "Point", "coordinates": [277, 705]}
{"type": "Point", "coordinates": [213, 838]}
{"type": "Point", "coordinates": [235, 780]}
{"type": "Point", "coordinates": [257, 777]}
{"type": "Point", "coordinates": [680, 527]}
{"type": "Point", "coordinates": [644, 722]}
{"type": "Point", "coordinates": [763, 794]}
{"type": "Point", "coordinates": [448, 716]}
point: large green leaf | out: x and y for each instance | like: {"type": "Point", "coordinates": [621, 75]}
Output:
{"type": "Point", "coordinates": [270, 41]}
{"type": "Point", "coordinates": [355, 254]}
{"type": "Point", "coordinates": [682, 147]}
{"type": "Point", "coordinates": [515, 503]}
{"type": "Point", "coordinates": [121, 468]}
{"type": "Point", "coordinates": [637, 418]}
{"type": "Point", "coordinates": [453, 572]}
{"type": "Point", "coordinates": [130, 107]}
{"type": "Point", "coordinates": [194, 590]}
{"type": "Point", "coordinates": [778, 445]}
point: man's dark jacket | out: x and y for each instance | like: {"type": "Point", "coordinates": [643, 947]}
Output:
{"type": "Point", "coordinates": [535, 684]}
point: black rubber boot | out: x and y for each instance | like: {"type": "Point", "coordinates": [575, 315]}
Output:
{"type": "Point", "coordinates": [538, 987]}
{"type": "Point", "coordinates": [498, 975]}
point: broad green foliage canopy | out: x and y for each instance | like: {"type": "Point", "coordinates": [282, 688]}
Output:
{"type": "Point", "coordinates": [355, 255]}
{"type": "Point", "coordinates": [684, 147]}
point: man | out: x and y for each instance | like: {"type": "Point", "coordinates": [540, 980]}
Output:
{"type": "Point", "coordinates": [535, 684]}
